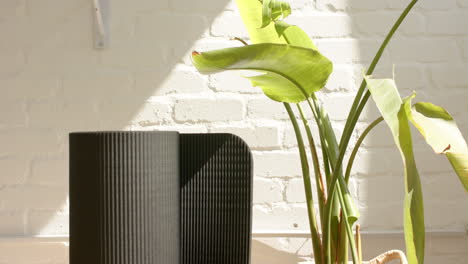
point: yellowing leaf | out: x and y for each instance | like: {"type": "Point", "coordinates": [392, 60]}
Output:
{"type": "Point", "coordinates": [441, 132]}
{"type": "Point", "coordinates": [395, 113]}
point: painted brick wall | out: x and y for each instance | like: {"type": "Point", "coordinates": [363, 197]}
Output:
{"type": "Point", "coordinates": [52, 82]}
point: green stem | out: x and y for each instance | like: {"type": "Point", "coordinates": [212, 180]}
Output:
{"type": "Point", "coordinates": [326, 224]}
{"type": "Point", "coordinates": [358, 106]}
{"type": "Point", "coordinates": [348, 228]}
{"type": "Point", "coordinates": [326, 164]}
{"type": "Point", "coordinates": [326, 231]}
{"type": "Point", "coordinates": [343, 250]}
{"type": "Point", "coordinates": [318, 175]}
{"type": "Point", "coordinates": [358, 144]}
{"type": "Point", "coordinates": [323, 142]}
{"type": "Point", "coordinates": [354, 112]}
{"type": "Point", "coordinates": [349, 233]}
{"type": "Point", "coordinates": [331, 147]}
{"type": "Point", "coordinates": [307, 187]}
{"type": "Point", "coordinates": [324, 127]}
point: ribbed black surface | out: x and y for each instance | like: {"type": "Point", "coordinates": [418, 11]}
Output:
{"type": "Point", "coordinates": [124, 198]}
{"type": "Point", "coordinates": [216, 199]}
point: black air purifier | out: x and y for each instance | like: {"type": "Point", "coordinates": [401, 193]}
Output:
{"type": "Point", "coordinates": [159, 198]}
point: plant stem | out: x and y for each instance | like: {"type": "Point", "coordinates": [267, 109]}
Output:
{"type": "Point", "coordinates": [355, 111]}
{"type": "Point", "coordinates": [359, 104]}
{"type": "Point", "coordinates": [326, 164]}
{"type": "Point", "coordinates": [331, 147]}
{"type": "Point", "coordinates": [358, 243]}
{"type": "Point", "coordinates": [240, 40]}
{"type": "Point", "coordinates": [348, 228]}
{"type": "Point", "coordinates": [342, 250]}
{"type": "Point", "coordinates": [316, 244]}
{"type": "Point", "coordinates": [329, 153]}
{"type": "Point", "coordinates": [358, 144]}
{"type": "Point", "coordinates": [326, 224]}
{"type": "Point", "coordinates": [318, 175]}
{"type": "Point", "coordinates": [326, 233]}
{"type": "Point", "coordinates": [338, 248]}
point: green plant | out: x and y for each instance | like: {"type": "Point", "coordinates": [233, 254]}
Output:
{"type": "Point", "coordinates": [291, 71]}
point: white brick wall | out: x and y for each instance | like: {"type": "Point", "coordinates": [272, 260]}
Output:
{"type": "Point", "coordinates": [52, 82]}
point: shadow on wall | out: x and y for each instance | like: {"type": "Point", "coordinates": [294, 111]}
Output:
{"type": "Point", "coordinates": [53, 81]}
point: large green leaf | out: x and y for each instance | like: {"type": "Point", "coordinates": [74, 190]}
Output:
{"type": "Point", "coordinates": [305, 69]}
{"type": "Point", "coordinates": [441, 132]}
{"type": "Point", "coordinates": [395, 112]}
{"type": "Point", "coordinates": [274, 85]}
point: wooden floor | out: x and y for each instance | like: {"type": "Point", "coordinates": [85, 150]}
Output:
{"type": "Point", "coordinates": [441, 247]}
